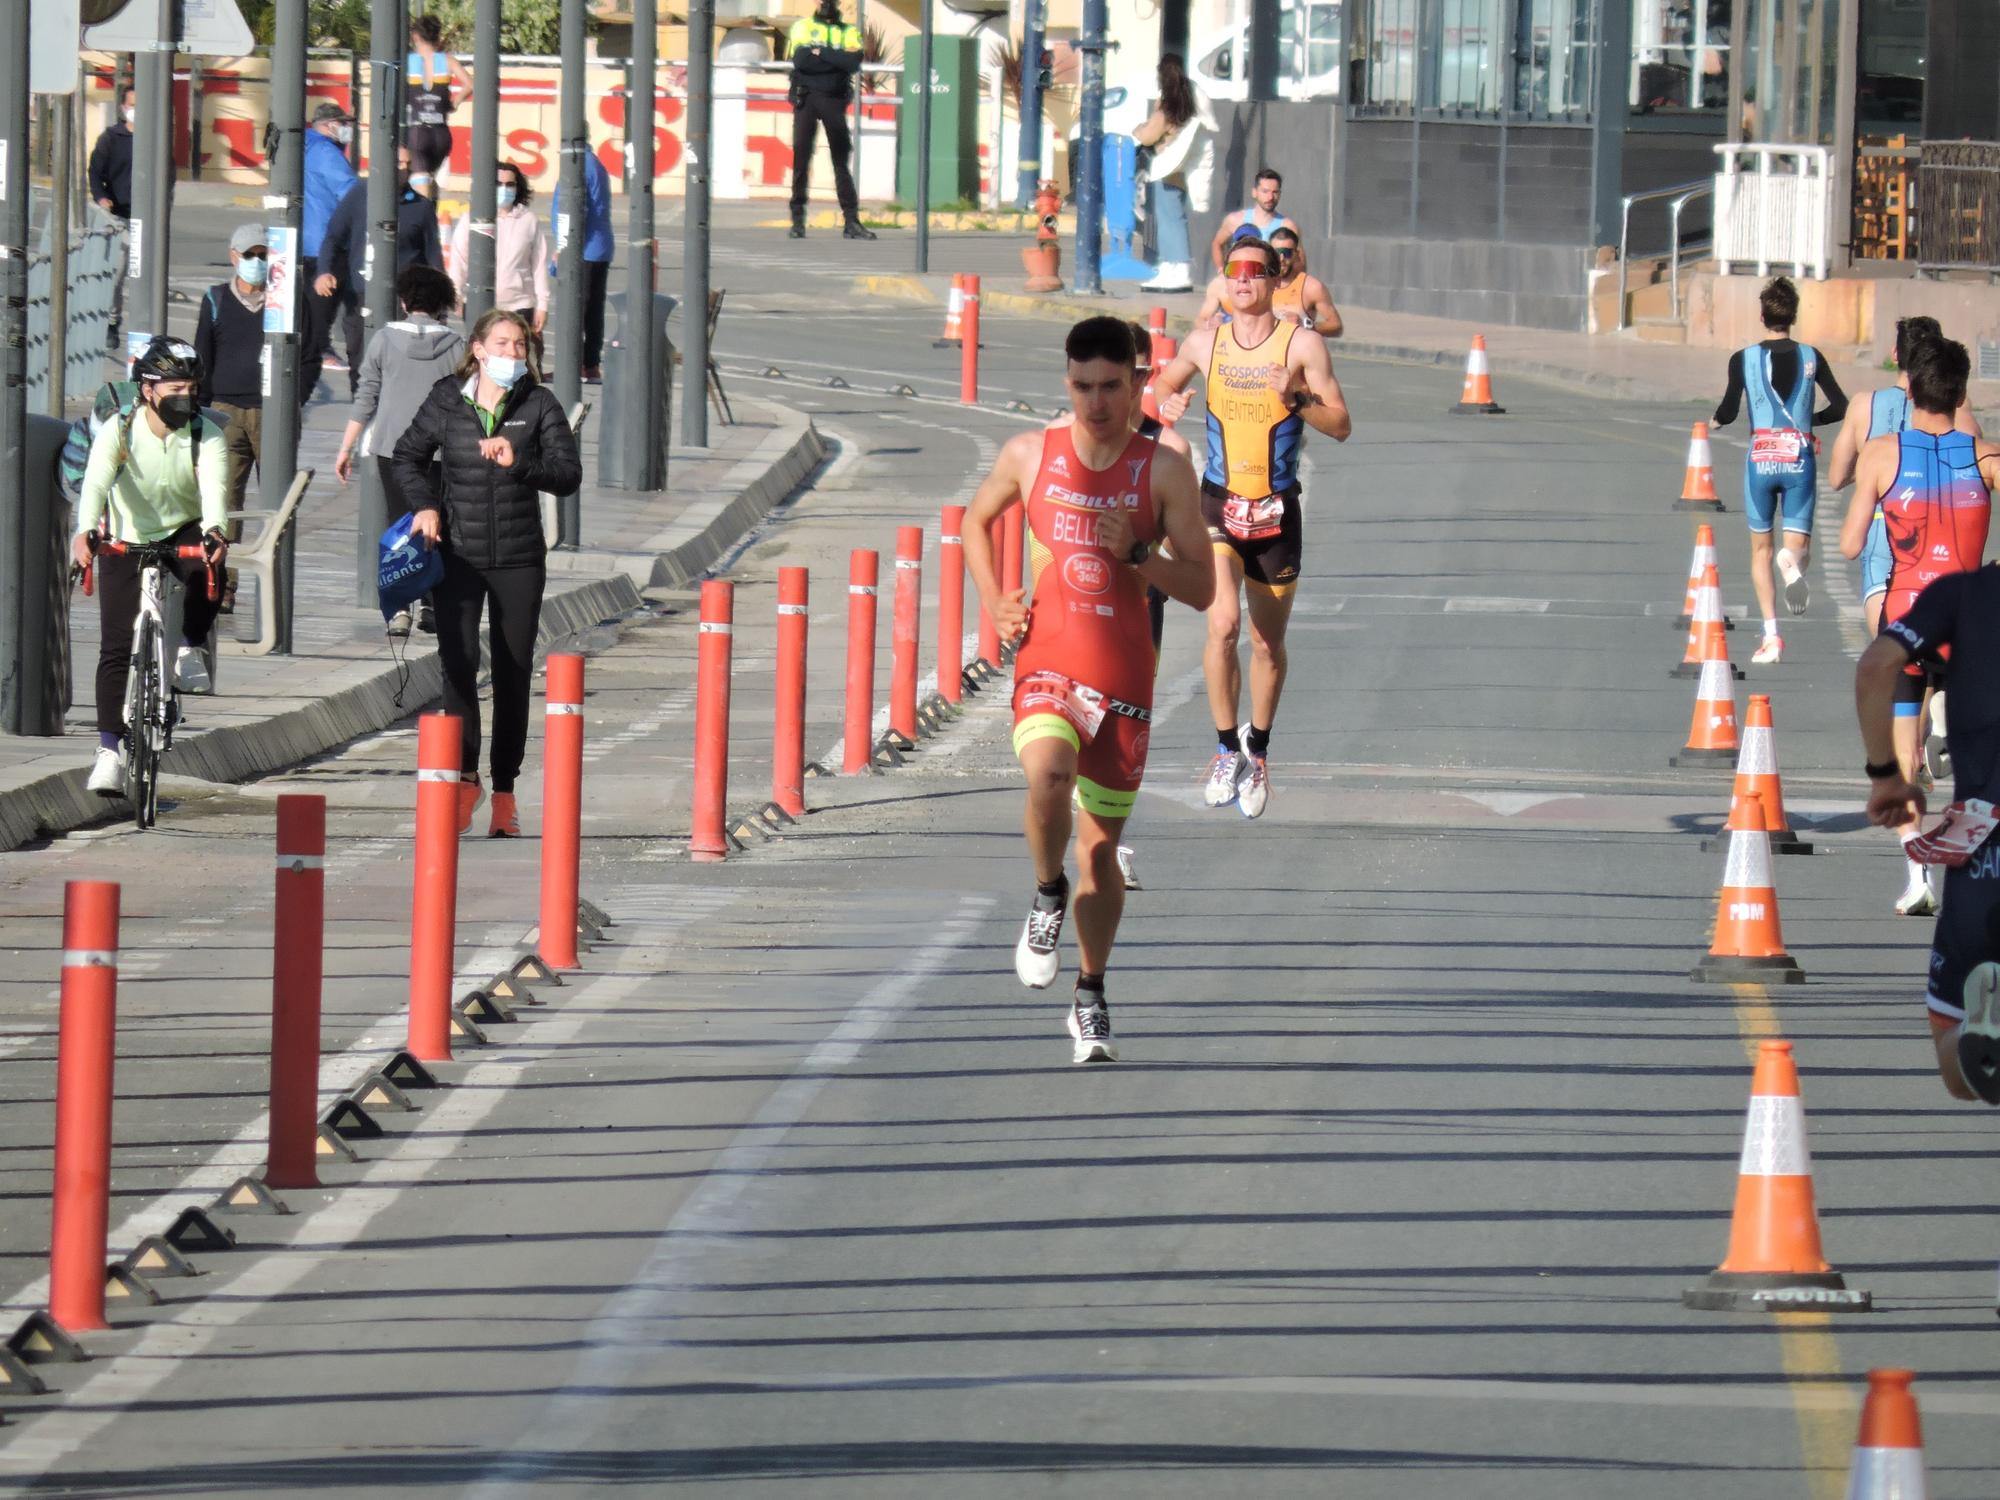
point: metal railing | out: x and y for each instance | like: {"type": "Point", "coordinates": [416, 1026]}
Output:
{"type": "Point", "coordinates": [1772, 207]}
{"type": "Point", "coordinates": [1681, 195]}
{"type": "Point", "coordinates": [1958, 206]}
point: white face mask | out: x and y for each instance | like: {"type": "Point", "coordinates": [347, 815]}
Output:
{"type": "Point", "coordinates": [503, 370]}
{"type": "Point", "coordinates": [344, 133]}
{"type": "Point", "coordinates": [253, 270]}
{"type": "Point", "coordinates": [130, 112]}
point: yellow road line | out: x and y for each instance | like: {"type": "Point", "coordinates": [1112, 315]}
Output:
{"type": "Point", "coordinates": [1822, 1407]}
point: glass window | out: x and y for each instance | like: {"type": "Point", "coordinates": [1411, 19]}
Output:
{"type": "Point", "coordinates": [1322, 41]}
{"type": "Point", "coordinates": [1552, 58]}
{"type": "Point", "coordinates": [1466, 55]}
{"type": "Point", "coordinates": [1680, 55]}
{"type": "Point", "coordinates": [1385, 40]}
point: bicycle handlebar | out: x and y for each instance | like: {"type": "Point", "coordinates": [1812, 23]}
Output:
{"type": "Point", "coordinates": [158, 552]}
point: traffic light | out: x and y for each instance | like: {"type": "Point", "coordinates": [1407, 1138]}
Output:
{"type": "Point", "coordinates": [1045, 75]}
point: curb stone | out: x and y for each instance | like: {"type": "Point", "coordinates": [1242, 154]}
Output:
{"type": "Point", "coordinates": [706, 530]}
{"type": "Point", "coordinates": [360, 697]}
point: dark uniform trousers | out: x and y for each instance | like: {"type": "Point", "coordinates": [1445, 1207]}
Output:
{"type": "Point", "coordinates": [829, 113]}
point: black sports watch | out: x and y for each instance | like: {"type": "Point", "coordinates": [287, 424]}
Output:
{"type": "Point", "coordinates": [1140, 554]}
{"type": "Point", "coordinates": [1882, 772]}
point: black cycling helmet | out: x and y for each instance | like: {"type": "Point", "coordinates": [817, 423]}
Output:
{"type": "Point", "coordinates": [167, 358]}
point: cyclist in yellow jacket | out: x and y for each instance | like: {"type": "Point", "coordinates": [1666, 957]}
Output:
{"type": "Point", "coordinates": [158, 473]}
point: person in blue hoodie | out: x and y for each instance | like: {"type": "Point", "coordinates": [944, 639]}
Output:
{"type": "Point", "coordinates": [599, 249]}
{"type": "Point", "coordinates": [328, 175]}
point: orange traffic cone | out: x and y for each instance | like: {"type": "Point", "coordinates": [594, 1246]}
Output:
{"type": "Point", "coordinates": [953, 309]}
{"type": "Point", "coordinates": [1698, 488]}
{"type": "Point", "coordinates": [1477, 396]}
{"type": "Point", "coordinates": [1749, 943]}
{"type": "Point", "coordinates": [1757, 777]}
{"type": "Point", "coordinates": [1774, 1259]}
{"type": "Point", "coordinates": [1705, 635]}
{"type": "Point", "coordinates": [1712, 732]}
{"type": "Point", "coordinates": [1889, 1449]}
{"type": "Point", "coordinates": [1704, 554]}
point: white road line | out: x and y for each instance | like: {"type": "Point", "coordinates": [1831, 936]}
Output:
{"type": "Point", "coordinates": [113, 1385]}
{"type": "Point", "coordinates": [246, 1153]}
{"type": "Point", "coordinates": [1840, 589]}
{"type": "Point", "coordinates": [628, 1331]}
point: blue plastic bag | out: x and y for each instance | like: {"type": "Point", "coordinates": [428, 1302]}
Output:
{"type": "Point", "coordinates": [409, 568]}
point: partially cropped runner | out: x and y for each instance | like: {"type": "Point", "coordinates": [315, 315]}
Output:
{"type": "Point", "coordinates": [1781, 473]}
{"type": "Point", "coordinates": [1297, 295]}
{"type": "Point", "coordinates": [1265, 381]}
{"type": "Point", "coordinates": [1099, 498]}
{"type": "Point", "coordinates": [1933, 487]}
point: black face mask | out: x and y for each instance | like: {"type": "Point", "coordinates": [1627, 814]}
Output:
{"type": "Point", "coordinates": [177, 411]}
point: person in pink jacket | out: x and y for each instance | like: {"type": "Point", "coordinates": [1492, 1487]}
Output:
{"type": "Point", "coordinates": [520, 251]}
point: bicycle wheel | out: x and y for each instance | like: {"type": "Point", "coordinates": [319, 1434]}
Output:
{"type": "Point", "coordinates": [142, 759]}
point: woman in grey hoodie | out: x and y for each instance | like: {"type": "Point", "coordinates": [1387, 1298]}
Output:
{"type": "Point", "coordinates": [403, 362]}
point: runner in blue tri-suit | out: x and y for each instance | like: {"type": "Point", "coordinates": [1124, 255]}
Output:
{"type": "Point", "coordinates": [1886, 410]}
{"type": "Point", "coordinates": [1780, 474]}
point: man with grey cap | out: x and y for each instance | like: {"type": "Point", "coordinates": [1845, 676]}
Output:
{"type": "Point", "coordinates": [328, 176]}
{"type": "Point", "coordinates": [229, 338]}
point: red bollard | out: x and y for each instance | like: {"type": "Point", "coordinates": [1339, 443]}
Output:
{"type": "Point", "coordinates": [951, 605]}
{"type": "Point", "coordinates": [434, 907]}
{"type": "Point", "coordinates": [1012, 521]}
{"type": "Point", "coordinates": [788, 743]}
{"type": "Point", "coordinates": [1156, 323]}
{"type": "Point", "coordinates": [711, 721]}
{"type": "Point", "coordinates": [298, 961]}
{"type": "Point", "coordinates": [856, 750]}
{"type": "Point", "coordinates": [968, 350]}
{"type": "Point", "coordinates": [562, 809]}
{"type": "Point", "coordinates": [85, 1049]}
{"type": "Point", "coordinates": [903, 627]}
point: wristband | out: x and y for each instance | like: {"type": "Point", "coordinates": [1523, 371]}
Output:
{"type": "Point", "coordinates": [1882, 772]}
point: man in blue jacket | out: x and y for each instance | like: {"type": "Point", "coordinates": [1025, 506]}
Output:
{"type": "Point", "coordinates": [329, 175]}
{"type": "Point", "coordinates": [598, 252]}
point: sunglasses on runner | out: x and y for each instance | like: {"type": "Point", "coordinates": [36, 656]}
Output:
{"type": "Point", "coordinates": [1247, 270]}
{"type": "Point", "coordinates": [1285, 252]}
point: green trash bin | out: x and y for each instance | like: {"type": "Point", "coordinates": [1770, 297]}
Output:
{"type": "Point", "coordinates": [954, 121]}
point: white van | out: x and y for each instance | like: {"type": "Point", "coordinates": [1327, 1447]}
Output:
{"type": "Point", "coordinates": [1308, 54]}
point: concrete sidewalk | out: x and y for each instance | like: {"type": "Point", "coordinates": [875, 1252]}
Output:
{"type": "Point", "coordinates": [1622, 366]}
{"type": "Point", "coordinates": [343, 679]}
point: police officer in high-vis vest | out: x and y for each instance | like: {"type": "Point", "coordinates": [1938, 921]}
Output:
{"type": "Point", "coordinates": [826, 54]}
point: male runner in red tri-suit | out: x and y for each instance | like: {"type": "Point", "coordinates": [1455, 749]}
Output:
{"type": "Point", "coordinates": [1100, 497]}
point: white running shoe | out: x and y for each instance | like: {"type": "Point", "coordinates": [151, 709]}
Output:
{"type": "Point", "coordinates": [1798, 593]}
{"type": "Point", "coordinates": [1224, 772]}
{"type": "Point", "coordinates": [1254, 794]}
{"type": "Point", "coordinates": [1038, 956]}
{"type": "Point", "coordinates": [1918, 899]}
{"type": "Point", "coordinates": [1770, 653]}
{"type": "Point", "coordinates": [191, 671]}
{"type": "Point", "coordinates": [1090, 1027]}
{"type": "Point", "coordinates": [107, 772]}
{"type": "Point", "coordinates": [1128, 868]}
{"type": "Point", "coordinates": [1979, 1037]}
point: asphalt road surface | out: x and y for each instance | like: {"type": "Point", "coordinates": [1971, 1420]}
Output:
{"type": "Point", "coordinates": [1420, 1129]}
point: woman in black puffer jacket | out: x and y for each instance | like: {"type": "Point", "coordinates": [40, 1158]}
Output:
{"type": "Point", "coordinates": [474, 463]}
